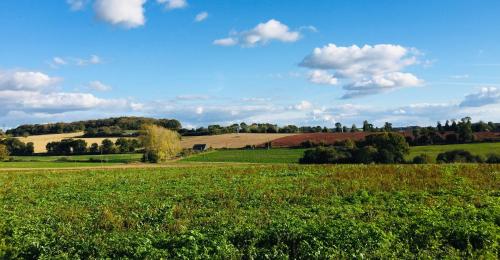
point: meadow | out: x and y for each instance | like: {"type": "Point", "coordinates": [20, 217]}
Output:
{"type": "Point", "coordinates": [285, 155]}
{"type": "Point", "coordinates": [278, 155]}
{"type": "Point", "coordinates": [42, 161]}
{"type": "Point", "coordinates": [253, 211]}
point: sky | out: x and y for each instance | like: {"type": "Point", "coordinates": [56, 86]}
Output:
{"type": "Point", "coordinates": [297, 62]}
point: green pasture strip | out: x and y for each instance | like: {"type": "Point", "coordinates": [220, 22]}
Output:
{"type": "Point", "coordinates": [249, 156]}
{"type": "Point", "coordinates": [475, 148]}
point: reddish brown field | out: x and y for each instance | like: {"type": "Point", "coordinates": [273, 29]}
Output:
{"type": "Point", "coordinates": [331, 138]}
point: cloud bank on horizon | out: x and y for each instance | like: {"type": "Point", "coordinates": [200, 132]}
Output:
{"type": "Point", "coordinates": [334, 80]}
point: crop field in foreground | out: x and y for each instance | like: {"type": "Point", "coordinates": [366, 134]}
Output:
{"type": "Point", "coordinates": [260, 211]}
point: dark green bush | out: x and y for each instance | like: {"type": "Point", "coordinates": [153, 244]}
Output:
{"type": "Point", "coordinates": [422, 159]}
{"type": "Point", "coordinates": [458, 156]}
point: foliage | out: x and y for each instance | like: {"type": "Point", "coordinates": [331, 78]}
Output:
{"type": "Point", "coordinates": [17, 147]}
{"type": "Point", "coordinates": [422, 159]}
{"type": "Point", "coordinates": [245, 212]}
{"type": "Point", "coordinates": [125, 123]}
{"type": "Point", "coordinates": [326, 155]}
{"type": "Point", "coordinates": [493, 158]}
{"type": "Point", "coordinates": [67, 147]}
{"type": "Point", "coordinates": [4, 152]}
{"type": "Point", "coordinates": [160, 144]}
{"type": "Point", "coordinates": [460, 156]}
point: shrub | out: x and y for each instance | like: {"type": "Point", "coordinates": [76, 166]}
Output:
{"type": "Point", "coordinates": [493, 158]}
{"type": "Point", "coordinates": [457, 156]}
{"type": "Point", "coordinates": [365, 155]}
{"type": "Point", "coordinates": [324, 155]}
{"type": "Point", "coordinates": [422, 159]}
{"type": "Point", "coordinates": [391, 147]}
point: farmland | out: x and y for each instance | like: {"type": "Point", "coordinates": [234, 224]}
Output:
{"type": "Point", "coordinates": [214, 141]}
{"type": "Point", "coordinates": [284, 155]}
{"type": "Point", "coordinates": [249, 156]}
{"type": "Point", "coordinates": [243, 211]}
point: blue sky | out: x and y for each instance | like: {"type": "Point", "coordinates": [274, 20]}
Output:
{"type": "Point", "coordinates": [287, 62]}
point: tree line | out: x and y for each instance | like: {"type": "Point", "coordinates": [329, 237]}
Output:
{"type": "Point", "coordinates": [79, 147]}
{"type": "Point", "coordinates": [121, 123]}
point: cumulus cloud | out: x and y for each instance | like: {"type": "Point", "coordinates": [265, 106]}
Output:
{"type": "Point", "coordinates": [485, 96]}
{"type": "Point", "coordinates": [201, 17]}
{"type": "Point", "coordinates": [99, 86]}
{"type": "Point", "coordinates": [366, 70]}
{"type": "Point", "coordinates": [261, 34]}
{"type": "Point", "coordinates": [26, 80]}
{"type": "Point", "coordinates": [173, 4]}
{"type": "Point", "coordinates": [322, 77]}
{"type": "Point", "coordinates": [125, 13]}
{"type": "Point", "coordinates": [34, 93]}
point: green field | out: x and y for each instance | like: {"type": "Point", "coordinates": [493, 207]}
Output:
{"type": "Point", "coordinates": [69, 161]}
{"type": "Point", "coordinates": [477, 149]}
{"type": "Point", "coordinates": [249, 156]}
{"type": "Point", "coordinates": [293, 155]}
{"type": "Point", "coordinates": [253, 211]}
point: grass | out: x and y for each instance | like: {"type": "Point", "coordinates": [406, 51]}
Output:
{"type": "Point", "coordinates": [70, 161]}
{"type": "Point", "coordinates": [475, 148]}
{"type": "Point", "coordinates": [293, 155]}
{"type": "Point", "coordinates": [253, 211]}
{"type": "Point", "coordinates": [249, 156]}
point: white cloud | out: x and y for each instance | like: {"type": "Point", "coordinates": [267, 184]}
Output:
{"type": "Point", "coordinates": [191, 97]}
{"type": "Point", "coordinates": [26, 80]}
{"type": "Point", "coordinates": [462, 76]}
{"type": "Point", "coordinates": [368, 69]}
{"type": "Point", "coordinates": [485, 96]}
{"type": "Point", "coordinates": [64, 61]}
{"type": "Point", "coordinates": [322, 77]}
{"type": "Point", "coordinates": [303, 105]}
{"type": "Point", "coordinates": [226, 42]}
{"type": "Point", "coordinates": [99, 86]}
{"type": "Point", "coordinates": [173, 4]}
{"type": "Point", "coordinates": [76, 5]}
{"type": "Point", "coordinates": [59, 61]}
{"type": "Point", "coordinates": [263, 33]}
{"type": "Point", "coordinates": [125, 13]}
{"type": "Point", "coordinates": [201, 17]}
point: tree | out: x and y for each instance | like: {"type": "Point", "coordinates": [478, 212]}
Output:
{"type": "Point", "coordinates": [465, 134]}
{"type": "Point", "coordinates": [338, 127]}
{"type": "Point", "coordinates": [107, 147]}
{"type": "Point", "coordinates": [387, 127]}
{"type": "Point", "coordinates": [94, 148]}
{"type": "Point", "coordinates": [354, 128]}
{"type": "Point", "coordinates": [4, 153]}
{"type": "Point", "coordinates": [367, 127]}
{"type": "Point", "coordinates": [391, 147]}
{"type": "Point", "coordinates": [439, 126]}
{"type": "Point", "coordinates": [160, 144]}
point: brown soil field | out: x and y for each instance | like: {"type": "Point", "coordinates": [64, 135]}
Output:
{"type": "Point", "coordinates": [331, 138]}
{"type": "Point", "coordinates": [214, 141]}
{"type": "Point", "coordinates": [326, 138]}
